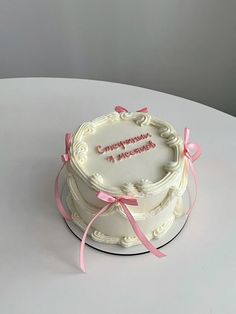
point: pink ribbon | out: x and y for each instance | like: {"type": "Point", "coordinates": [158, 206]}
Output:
{"type": "Point", "coordinates": [65, 158]}
{"type": "Point", "coordinates": [123, 201]}
{"type": "Point", "coordinates": [192, 152]}
{"type": "Point", "coordinates": [120, 109]}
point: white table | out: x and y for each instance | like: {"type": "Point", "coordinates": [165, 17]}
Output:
{"type": "Point", "coordinates": [39, 270]}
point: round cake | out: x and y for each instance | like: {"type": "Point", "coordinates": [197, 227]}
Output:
{"type": "Point", "coordinates": [129, 156]}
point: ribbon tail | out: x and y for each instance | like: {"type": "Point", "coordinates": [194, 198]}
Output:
{"type": "Point", "coordinates": [139, 233]}
{"type": "Point", "coordinates": [197, 153]}
{"type": "Point", "coordinates": [67, 142]}
{"type": "Point", "coordinates": [120, 109]}
{"type": "Point", "coordinates": [59, 204]}
{"type": "Point", "coordinates": [82, 245]}
{"type": "Point", "coordinates": [194, 174]}
{"type": "Point", "coordinates": [145, 109]}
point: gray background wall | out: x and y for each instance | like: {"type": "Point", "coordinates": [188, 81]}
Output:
{"type": "Point", "coordinates": [183, 47]}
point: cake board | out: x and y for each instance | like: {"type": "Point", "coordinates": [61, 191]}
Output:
{"type": "Point", "coordinates": [116, 249]}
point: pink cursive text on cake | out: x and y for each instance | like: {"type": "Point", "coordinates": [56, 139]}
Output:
{"type": "Point", "coordinates": [122, 144]}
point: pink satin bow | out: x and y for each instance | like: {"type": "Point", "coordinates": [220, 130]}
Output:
{"type": "Point", "coordinates": [120, 109]}
{"type": "Point", "coordinates": [123, 201]}
{"type": "Point", "coordinates": [192, 152]}
{"type": "Point", "coordinates": [65, 158]}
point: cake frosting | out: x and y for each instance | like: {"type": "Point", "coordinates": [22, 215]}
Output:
{"type": "Point", "coordinates": [130, 154]}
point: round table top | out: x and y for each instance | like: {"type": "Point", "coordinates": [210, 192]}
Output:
{"type": "Point", "coordinates": [39, 262]}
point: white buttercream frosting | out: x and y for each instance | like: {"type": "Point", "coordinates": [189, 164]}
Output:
{"type": "Point", "coordinates": [131, 154]}
{"type": "Point", "coordinates": [125, 241]}
{"type": "Point", "coordinates": [165, 158]}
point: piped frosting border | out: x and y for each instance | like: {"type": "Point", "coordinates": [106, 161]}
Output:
{"type": "Point", "coordinates": [79, 150]}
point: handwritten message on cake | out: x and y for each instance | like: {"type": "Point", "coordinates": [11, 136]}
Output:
{"type": "Point", "coordinates": [123, 145]}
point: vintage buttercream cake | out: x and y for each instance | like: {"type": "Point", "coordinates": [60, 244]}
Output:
{"type": "Point", "coordinates": [129, 155]}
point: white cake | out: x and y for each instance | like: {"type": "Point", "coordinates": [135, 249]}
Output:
{"type": "Point", "coordinates": [131, 154]}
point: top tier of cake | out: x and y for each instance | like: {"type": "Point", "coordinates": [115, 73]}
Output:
{"type": "Point", "coordinates": [127, 153]}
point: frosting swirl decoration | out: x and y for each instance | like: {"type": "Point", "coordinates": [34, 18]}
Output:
{"type": "Point", "coordinates": [129, 189]}
{"type": "Point", "coordinates": [144, 186]}
{"type": "Point", "coordinates": [96, 178]}
{"type": "Point", "coordinates": [143, 119]}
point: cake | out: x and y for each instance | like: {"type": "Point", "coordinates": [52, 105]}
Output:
{"type": "Point", "coordinates": [129, 156]}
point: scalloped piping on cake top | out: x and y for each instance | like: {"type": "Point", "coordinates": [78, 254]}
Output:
{"type": "Point", "coordinates": [78, 150]}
